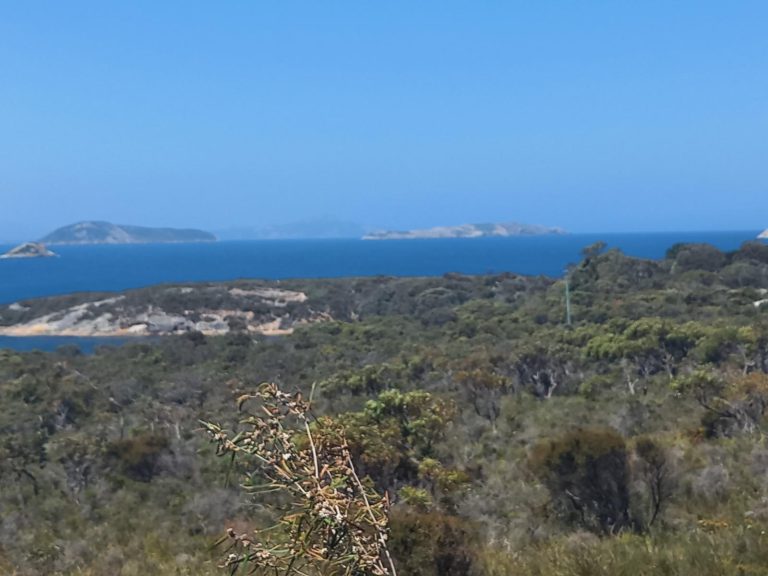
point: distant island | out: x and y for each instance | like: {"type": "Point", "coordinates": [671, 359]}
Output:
{"type": "Point", "coordinates": [764, 234]}
{"type": "Point", "coordinates": [107, 233]}
{"type": "Point", "coordinates": [29, 250]}
{"type": "Point", "coordinates": [466, 231]}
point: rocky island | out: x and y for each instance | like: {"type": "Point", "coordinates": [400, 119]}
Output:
{"type": "Point", "coordinates": [466, 231]}
{"type": "Point", "coordinates": [29, 250]}
{"type": "Point", "coordinates": [763, 235]}
{"type": "Point", "coordinates": [98, 232]}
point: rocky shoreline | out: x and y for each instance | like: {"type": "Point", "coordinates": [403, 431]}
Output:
{"type": "Point", "coordinates": [110, 317]}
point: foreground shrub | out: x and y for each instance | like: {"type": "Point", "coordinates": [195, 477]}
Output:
{"type": "Point", "coordinates": [431, 544]}
{"type": "Point", "coordinates": [586, 471]}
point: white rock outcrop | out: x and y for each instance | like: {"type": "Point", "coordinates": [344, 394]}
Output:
{"type": "Point", "coordinates": [29, 250]}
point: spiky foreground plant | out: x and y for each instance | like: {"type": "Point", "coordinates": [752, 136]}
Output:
{"type": "Point", "coordinates": [335, 524]}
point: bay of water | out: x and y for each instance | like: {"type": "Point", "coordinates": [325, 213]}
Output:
{"type": "Point", "coordinates": [50, 343]}
{"type": "Point", "coordinates": [119, 267]}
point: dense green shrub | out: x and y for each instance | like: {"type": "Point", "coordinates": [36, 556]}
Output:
{"type": "Point", "coordinates": [587, 473]}
{"type": "Point", "coordinates": [137, 456]}
{"type": "Point", "coordinates": [431, 544]}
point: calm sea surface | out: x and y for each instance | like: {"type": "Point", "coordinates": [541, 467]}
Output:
{"type": "Point", "coordinates": [107, 268]}
{"type": "Point", "coordinates": [110, 267]}
{"type": "Point", "coordinates": [50, 343]}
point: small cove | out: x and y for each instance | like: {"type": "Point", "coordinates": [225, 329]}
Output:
{"type": "Point", "coordinates": [52, 343]}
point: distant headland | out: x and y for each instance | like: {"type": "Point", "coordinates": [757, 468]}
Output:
{"type": "Point", "coordinates": [97, 232]}
{"type": "Point", "coordinates": [466, 231]}
{"type": "Point", "coordinates": [764, 234]}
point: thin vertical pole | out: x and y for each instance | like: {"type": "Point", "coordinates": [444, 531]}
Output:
{"type": "Point", "coordinates": [567, 301]}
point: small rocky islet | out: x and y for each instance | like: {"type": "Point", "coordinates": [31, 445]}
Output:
{"type": "Point", "coordinates": [29, 250]}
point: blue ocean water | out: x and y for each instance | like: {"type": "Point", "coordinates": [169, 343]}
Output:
{"type": "Point", "coordinates": [118, 267]}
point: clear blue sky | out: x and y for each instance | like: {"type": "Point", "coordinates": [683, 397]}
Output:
{"type": "Point", "coordinates": [592, 115]}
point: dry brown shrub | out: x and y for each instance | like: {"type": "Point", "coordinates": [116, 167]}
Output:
{"type": "Point", "coordinates": [335, 523]}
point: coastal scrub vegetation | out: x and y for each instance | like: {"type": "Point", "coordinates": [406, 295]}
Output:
{"type": "Point", "coordinates": [490, 437]}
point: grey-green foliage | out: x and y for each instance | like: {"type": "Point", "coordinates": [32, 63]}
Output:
{"type": "Point", "coordinates": [103, 469]}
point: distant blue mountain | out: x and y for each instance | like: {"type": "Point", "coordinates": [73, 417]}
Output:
{"type": "Point", "coordinates": [308, 229]}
